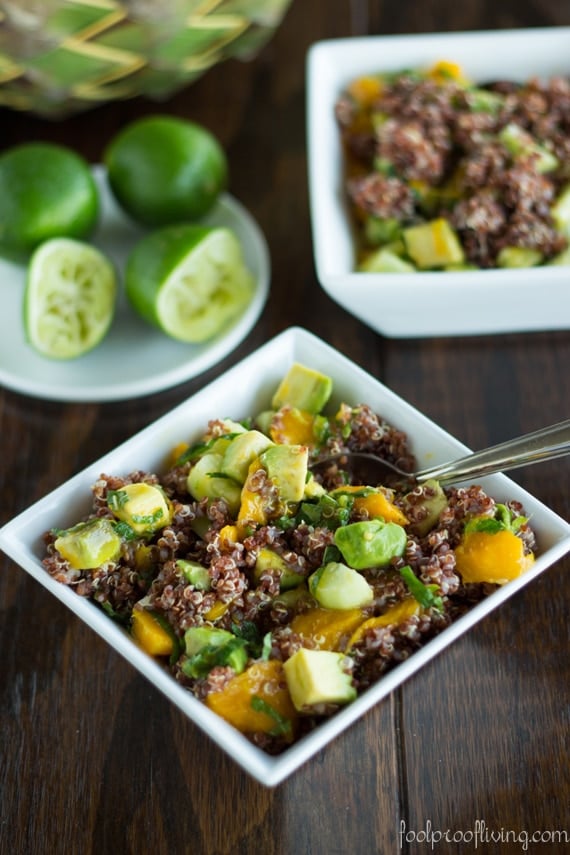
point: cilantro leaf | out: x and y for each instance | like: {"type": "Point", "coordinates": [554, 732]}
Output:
{"type": "Point", "coordinates": [425, 594]}
{"type": "Point", "coordinates": [503, 520]}
{"type": "Point", "coordinates": [283, 725]}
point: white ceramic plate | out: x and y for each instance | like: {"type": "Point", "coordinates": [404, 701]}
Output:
{"type": "Point", "coordinates": [425, 304]}
{"type": "Point", "coordinates": [134, 359]}
{"type": "Point", "coordinates": [243, 390]}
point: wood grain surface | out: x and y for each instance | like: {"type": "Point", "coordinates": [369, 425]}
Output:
{"type": "Point", "coordinates": [92, 758]}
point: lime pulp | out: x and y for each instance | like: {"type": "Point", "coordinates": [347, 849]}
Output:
{"type": "Point", "coordinates": [191, 281]}
{"type": "Point", "coordinates": [69, 300]}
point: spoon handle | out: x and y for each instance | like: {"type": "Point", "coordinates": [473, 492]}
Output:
{"type": "Point", "coordinates": [545, 444]}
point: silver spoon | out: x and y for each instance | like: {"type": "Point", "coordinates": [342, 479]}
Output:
{"type": "Point", "coordinates": [545, 444]}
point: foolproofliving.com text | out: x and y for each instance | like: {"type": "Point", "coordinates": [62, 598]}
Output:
{"type": "Point", "coordinates": [479, 835]}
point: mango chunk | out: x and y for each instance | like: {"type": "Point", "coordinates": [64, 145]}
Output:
{"type": "Point", "coordinates": [291, 426]}
{"type": "Point", "coordinates": [366, 90]}
{"type": "Point", "coordinates": [378, 505]}
{"type": "Point", "coordinates": [257, 701]}
{"type": "Point", "coordinates": [150, 634]}
{"type": "Point", "coordinates": [327, 629]}
{"type": "Point", "coordinates": [396, 614]}
{"type": "Point", "coordinates": [252, 510]}
{"type": "Point", "coordinates": [491, 557]}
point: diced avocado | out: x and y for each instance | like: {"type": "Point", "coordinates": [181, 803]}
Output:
{"type": "Point", "coordinates": [385, 261]}
{"type": "Point", "coordinates": [458, 268]}
{"type": "Point", "coordinates": [312, 488]}
{"type": "Point", "coordinates": [198, 637]}
{"type": "Point", "coordinates": [295, 598]}
{"type": "Point", "coordinates": [89, 544]}
{"type": "Point", "coordinates": [304, 388]}
{"type": "Point", "coordinates": [263, 421]}
{"type": "Point", "coordinates": [318, 677]}
{"type": "Point", "coordinates": [230, 429]}
{"type": "Point", "coordinates": [379, 232]}
{"type": "Point", "coordinates": [519, 142]}
{"type": "Point", "coordinates": [336, 586]}
{"type": "Point", "coordinates": [268, 559]}
{"type": "Point", "coordinates": [195, 574]}
{"type": "Point", "coordinates": [432, 502]}
{"type": "Point", "coordinates": [433, 244]}
{"type": "Point", "coordinates": [286, 467]}
{"type": "Point", "coordinates": [518, 256]}
{"type": "Point", "coordinates": [144, 507]}
{"type": "Point", "coordinates": [206, 480]}
{"type": "Point", "coordinates": [563, 258]}
{"type": "Point", "coordinates": [371, 543]}
{"type": "Point", "coordinates": [242, 450]}
{"type": "Point", "coordinates": [208, 647]}
{"type": "Point", "coordinates": [484, 101]}
{"type": "Point", "coordinates": [560, 211]}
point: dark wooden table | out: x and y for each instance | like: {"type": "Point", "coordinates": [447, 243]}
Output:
{"type": "Point", "coordinates": [92, 758]}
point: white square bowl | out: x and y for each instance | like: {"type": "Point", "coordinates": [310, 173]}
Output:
{"type": "Point", "coordinates": [243, 390]}
{"type": "Point", "coordinates": [425, 304]}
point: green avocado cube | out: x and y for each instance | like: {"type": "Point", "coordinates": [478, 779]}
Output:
{"type": "Point", "coordinates": [336, 586]}
{"type": "Point", "coordinates": [304, 388]}
{"type": "Point", "coordinates": [268, 559]}
{"type": "Point", "coordinates": [518, 256]}
{"type": "Point", "coordinates": [385, 261]}
{"type": "Point", "coordinates": [144, 507]}
{"type": "Point", "coordinates": [206, 480]}
{"type": "Point", "coordinates": [198, 637]}
{"type": "Point", "coordinates": [370, 543]}
{"type": "Point", "coordinates": [560, 211]}
{"type": "Point", "coordinates": [318, 677]}
{"type": "Point", "coordinates": [242, 451]}
{"type": "Point", "coordinates": [286, 467]}
{"type": "Point", "coordinates": [519, 142]}
{"type": "Point", "coordinates": [433, 245]}
{"type": "Point", "coordinates": [195, 574]}
{"type": "Point", "coordinates": [90, 544]}
{"type": "Point", "coordinates": [425, 511]}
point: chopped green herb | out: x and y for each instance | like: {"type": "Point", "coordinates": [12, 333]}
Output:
{"type": "Point", "coordinates": [266, 646]}
{"type": "Point", "coordinates": [199, 449]}
{"type": "Point", "coordinates": [283, 725]}
{"type": "Point", "coordinates": [233, 654]}
{"type": "Point", "coordinates": [332, 553]}
{"type": "Point", "coordinates": [425, 594]}
{"type": "Point", "coordinates": [325, 512]}
{"type": "Point", "coordinates": [148, 519]}
{"type": "Point", "coordinates": [125, 531]}
{"type": "Point", "coordinates": [117, 499]}
{"type": "Point", "coordinates": [503, 520]}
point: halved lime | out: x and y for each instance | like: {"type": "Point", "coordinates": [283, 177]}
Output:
{"type": "Point", "coordinates": [46, 191]}
{"type": "Point", "coordinates": [69, 300]}
{"type": "Point", "coordinates": [189, 280]}
{"type": "Point", "coordinates": [164, 170]}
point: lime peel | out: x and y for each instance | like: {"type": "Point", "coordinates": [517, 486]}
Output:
{"type": "Point", "coordinates": [69, 300]}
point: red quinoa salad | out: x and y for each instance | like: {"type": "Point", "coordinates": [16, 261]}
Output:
{"type": "Point", "coordinates": [444, 174]}
{"type": "Point", "coordinates": [275, 595]}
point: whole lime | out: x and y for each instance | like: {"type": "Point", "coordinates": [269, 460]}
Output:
{"type": "Point", "coordinates": [164, 170]}
{"type": "Point", "coordinates": [46, 191]}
